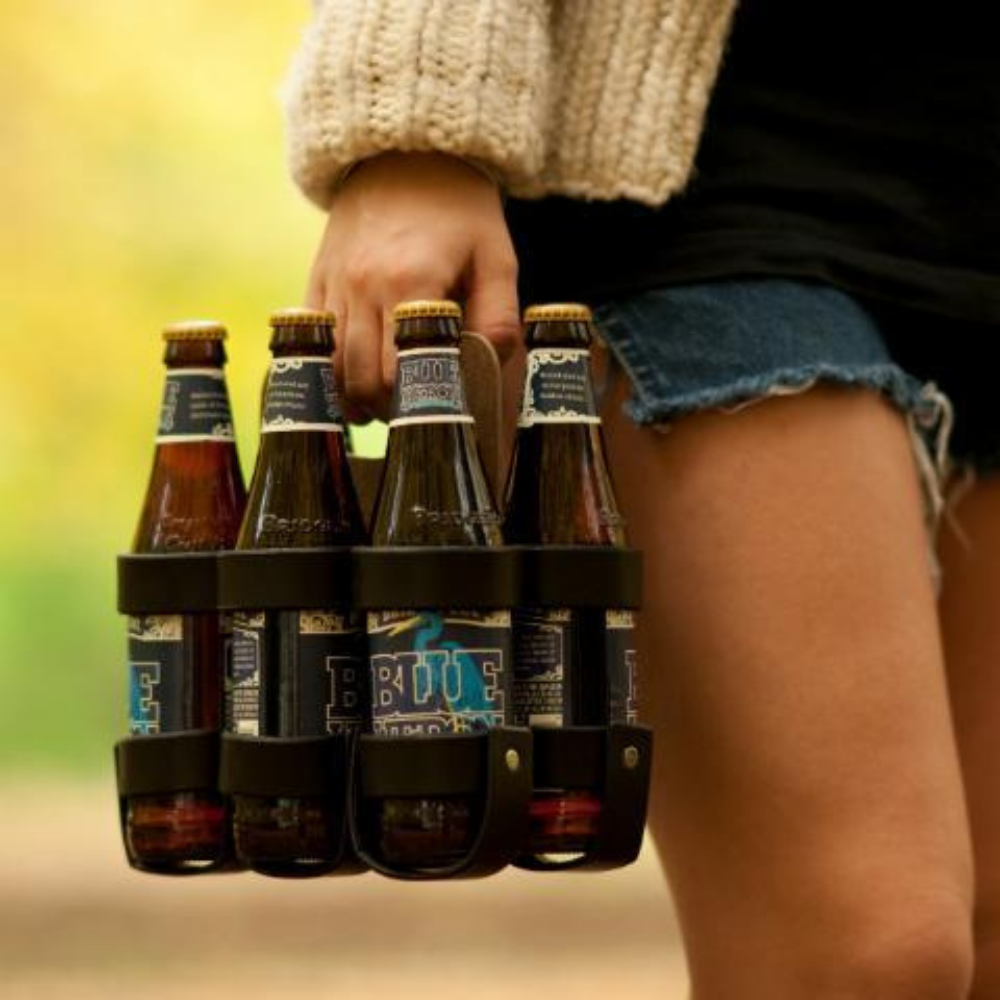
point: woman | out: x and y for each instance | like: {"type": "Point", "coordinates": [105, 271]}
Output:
{"type": "Point", "coordinates": [804, 304]}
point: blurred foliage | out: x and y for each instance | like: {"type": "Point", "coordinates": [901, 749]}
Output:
{"type": "Point", "coordinates": [143, 181]}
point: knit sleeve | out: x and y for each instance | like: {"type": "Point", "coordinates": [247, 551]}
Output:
{"type": "Point", "coordinates": [468, 77]}
{"type": "Point", "coordinates": [631, 84]}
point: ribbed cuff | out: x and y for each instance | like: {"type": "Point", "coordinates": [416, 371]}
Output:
{"type": "Point", "coordinates": [466, 77]}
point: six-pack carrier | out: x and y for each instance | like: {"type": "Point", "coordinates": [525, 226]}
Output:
{"type": "Point", "coordinates": [442, 694]}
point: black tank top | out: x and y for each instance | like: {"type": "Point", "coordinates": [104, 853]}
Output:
{"type": "Point", "coordinates": [855, 142]}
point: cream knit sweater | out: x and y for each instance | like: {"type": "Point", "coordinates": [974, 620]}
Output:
{"type": "Point", "coordinates": [587, 98]}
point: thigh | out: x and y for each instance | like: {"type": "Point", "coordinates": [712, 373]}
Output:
{"type": "Point", "coordinates": [807, 801]}
{"type": "Point", "coordinates": [969, 547]}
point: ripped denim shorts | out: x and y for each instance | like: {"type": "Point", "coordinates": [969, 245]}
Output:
{"type": "Point", "coordinates": [726, 344]}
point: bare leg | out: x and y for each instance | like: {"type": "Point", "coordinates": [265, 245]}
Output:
{"type": "Point", "coordinates": [970, 619]}
{"type": "Point", "coordinates": [807, 802]}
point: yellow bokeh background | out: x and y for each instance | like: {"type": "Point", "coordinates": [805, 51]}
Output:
{"type": "Point", "coordinates": [143, 181]}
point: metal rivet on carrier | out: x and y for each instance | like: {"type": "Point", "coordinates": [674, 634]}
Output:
{"type": "Point", "coordinates": [513, 759]}
{"type": "Point", "coordinates": [630, 757]}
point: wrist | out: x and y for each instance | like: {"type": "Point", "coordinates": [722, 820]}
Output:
{"type": "Point", "coordinates": [402, 158]}
{"type": "Point", "coordinates": [482, 167]}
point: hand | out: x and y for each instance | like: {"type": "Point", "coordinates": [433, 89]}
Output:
{"type": "Point", "coordinates": [410, 226]}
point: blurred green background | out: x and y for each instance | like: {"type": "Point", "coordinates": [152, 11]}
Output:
{"type": "Point", "coordinates": [143, 181]}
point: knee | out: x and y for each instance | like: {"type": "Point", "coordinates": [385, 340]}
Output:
{"type": "Point", "coordinates": [899, 952]}
{"type": "Point", "coordinates": [847, 943]}
{"type": "Point", "coordinates": [924, 956]}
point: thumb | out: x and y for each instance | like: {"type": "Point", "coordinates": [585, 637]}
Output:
{"type": "Point", "coordinates": [491, 301]}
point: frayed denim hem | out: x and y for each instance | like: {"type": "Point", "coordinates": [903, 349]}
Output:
{"type": "Point", "coordinates": [724, 346]}
{"type": "Point", "coordinates": [927, 410]}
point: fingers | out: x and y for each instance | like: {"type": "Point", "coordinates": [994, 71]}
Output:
{"type": "Point", "coordinates": [363, 382]}
{"type": "Point", "coordinates": [321, 293]}
{"type": "Point", "coordinates": [353, 413]}
{"type": "Point", "coordinates": [491, 306]}
{"type": "Point", "coordinates": [410, 226]}
{"type": "Point", "coordinates": [365, 355]}
{"type": "Point", "coordinates": [388, 351]}
{"type": "Point", "coordinates": [369, 354]}
{"type": "Point", "coordinates": [316, 287]}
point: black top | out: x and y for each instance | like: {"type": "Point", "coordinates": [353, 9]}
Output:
{"type": "Point", "coordinates": [851, 141]}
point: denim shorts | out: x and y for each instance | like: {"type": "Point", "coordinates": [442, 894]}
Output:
{"type": "Point", "coordinates": [727, 344]}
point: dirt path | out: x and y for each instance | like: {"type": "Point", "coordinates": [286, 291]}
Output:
{"type": "Point", "coordinates": [76, 923]}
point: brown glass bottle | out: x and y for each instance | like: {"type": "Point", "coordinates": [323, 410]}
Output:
{"type": "Point", "coordinates": [194, 502]}
{"type": "Point", "coordinates": [571, 667]}
{"type": "Point", "coordinates": [433, 492]}
{"type": "Point", "coordinates": [301, 672]}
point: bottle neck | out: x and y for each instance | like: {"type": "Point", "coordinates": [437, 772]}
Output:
{"type": "Point", "coordinates": [314, 339]}
{"type": "Point", "coordinates": [433, 489]}
{"type": "Point", "coordinates": [558, 389]}
{"type": "Point", "coordinates": [559, 489]}
{"type": "Point", "coordinates": [301, 494]}
{"type": "Point", "coordinates": [194, 353]}
{"type": "Point", "coordinates": [300, 395]}
{"type": "Point", "coordinates": [429, 387]}
{"type": "Point", "coordinates": [195, 405]}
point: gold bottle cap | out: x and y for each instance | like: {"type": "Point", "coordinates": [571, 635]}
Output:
{"type": "Point", "coordinates": [420, 308]}
{"type": "Point", "coordinates": [559, 312]}
{"type": "Point", "coordinates": [194, 329]}
{"type": "Point", "coordinates": [301, 316]}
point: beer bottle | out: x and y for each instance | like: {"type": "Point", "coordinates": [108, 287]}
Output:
{"type": "Point", "coordinates": [298, 672]}
{"type": "Point", "coordinates": [194, 502]}
{"type": "Point", "coordinates": [442, 671]}
{"type": "Point", "coordinates": [571, 667]}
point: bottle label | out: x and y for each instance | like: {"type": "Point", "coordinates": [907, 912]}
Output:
{"type": "Point", "coordinates": [301, 396]}
{"type": "Point", "coordinates": [243, 701]}
{"type": "Point", "coordinates": [330, 695]}
{"type": "Point", "coordinates": [195, 407]}
{"type": "Point", "coordinates": [558, 389]}
{"type": "Point", "coordinates": [439, 672]}
{"type": "Point", "coordinates": [541, 647]}
{"type": "Point", "coordinates": [304, 669]}
{"type": "Point", "coordinates": [429, 388]}
{"type": "Point", "coordinates": [620, 656]}
{"type": "Point", "coordinates": [156, 674]}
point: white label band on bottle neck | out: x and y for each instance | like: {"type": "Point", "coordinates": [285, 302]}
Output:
{"type": "Point", "coordinates": [443, 419]}
{"type": "Point", "coordinates": [557, 388]}
{"type": "Point", "coordinates": [412, 352]}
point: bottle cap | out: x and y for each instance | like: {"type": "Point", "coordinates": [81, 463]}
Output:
{"type": "Point", "coordinates": [556, 312]}
{"type": "Point", "coordinates": [420, 308]}
{"type": "Point", "coordinates": [194, 329]}
{"type": "Point", "coordinates": [301, 316]}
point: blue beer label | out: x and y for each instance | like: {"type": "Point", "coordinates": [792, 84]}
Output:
{"type": "Point", "coordinates": [429, 388]}
{"type": "Point", "coordinates": [620, 656]}
{"type": "Point", "coordinates": [301, 396]}
{"type": "Point", "coordinates": [439, 672]}
{"type": "Point", "coordinates": [542, 642]}
{"type": "Point", "coordinates": [195, 407]}
{"type": "Point", "coordinates": [331, 691]}
{"type": "Point", "coordinates": [558, 389]}
{"type": "Point", "coordinates": [156, 674]}
{"type": "Point", "coordinates": [296, 673]}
